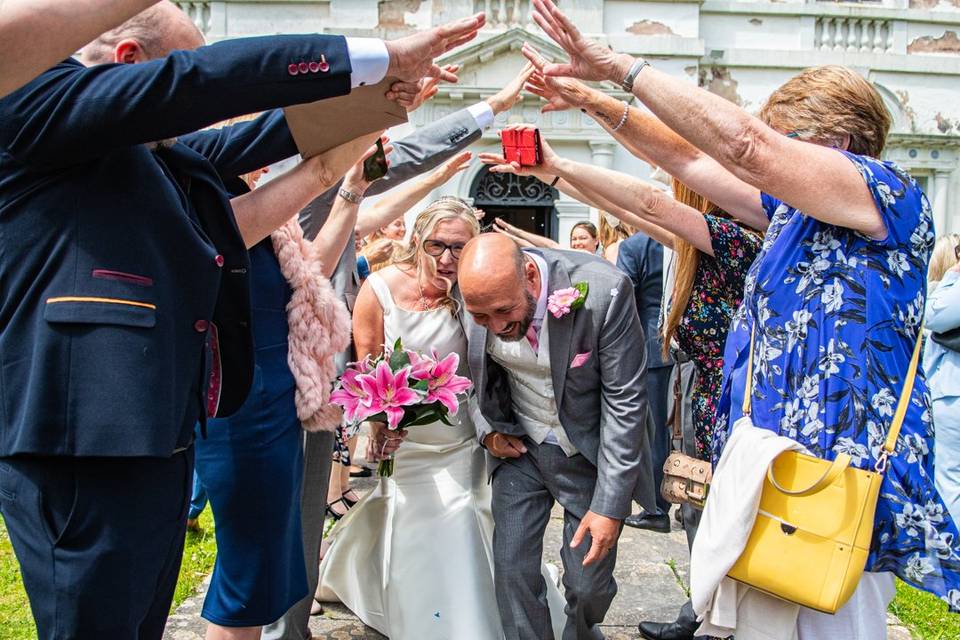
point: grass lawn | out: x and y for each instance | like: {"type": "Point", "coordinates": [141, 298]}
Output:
{"type": "Point", "coordinates": [925, 614]}
{"type": "Point", "coordinates": [16, 623]}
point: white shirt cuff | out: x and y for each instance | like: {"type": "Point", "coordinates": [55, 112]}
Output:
{"type": "Point", "coordinates": [368, 59]}
{"type": "Point", "coordinates": [482, 112]}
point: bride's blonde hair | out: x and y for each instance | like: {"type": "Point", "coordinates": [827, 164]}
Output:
{"type": "Point", "coordinates": [445, 209]}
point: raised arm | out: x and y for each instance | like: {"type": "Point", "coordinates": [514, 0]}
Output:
{"type": "Point", "coordinates": [263, 210]}
{"type": "Point", "coordinates": [634, 201]}
{"type": "Point", "coordinates": [73, 113]}
{"type": "Point", "coordinates": [398, 202]}
{"type": "Point", "coordinates": [37, 34]}
{"type": "Point", "coordinates": [339, 228]}
{"type": "Point", "coordinates": [525, 237]}
{"type": "Point", "coordinates": [646, 137]}
{"type": "Point", "coordinates": [813, 178]}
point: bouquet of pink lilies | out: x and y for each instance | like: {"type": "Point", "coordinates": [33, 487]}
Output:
{"type": "Point", "coordinates": [401, 388]}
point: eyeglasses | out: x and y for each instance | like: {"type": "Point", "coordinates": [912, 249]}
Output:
{"type": "Point", "coordinates": [436, 248]}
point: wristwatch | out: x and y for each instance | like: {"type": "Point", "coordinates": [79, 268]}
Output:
{"type": "Point", "coordinates": [349, 196]}
{"type": "Point", "coordinates": [635, 68]}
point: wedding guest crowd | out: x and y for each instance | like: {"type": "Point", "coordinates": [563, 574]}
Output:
{"type": "Point", "coordinates": [183, 293]}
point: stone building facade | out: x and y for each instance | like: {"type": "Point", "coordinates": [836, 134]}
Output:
{"type": "Point", "coordinates": [909, 49]}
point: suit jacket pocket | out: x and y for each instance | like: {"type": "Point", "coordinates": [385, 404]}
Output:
{"type": "Point", "coordinates": [97, 310]}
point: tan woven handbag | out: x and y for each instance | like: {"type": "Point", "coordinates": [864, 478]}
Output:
{"type": "Point", "coordinates": [686, 480]}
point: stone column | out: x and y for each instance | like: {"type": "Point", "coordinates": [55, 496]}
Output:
{"type": "Point", "coordinates": [941, 187]}
{"type": "Point", "coordinates": [601, 153]}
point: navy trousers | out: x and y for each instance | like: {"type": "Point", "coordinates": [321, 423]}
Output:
{"type": "Point", "coordinates": [99, 541]}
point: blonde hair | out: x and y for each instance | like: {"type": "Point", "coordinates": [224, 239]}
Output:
{"type": "Point", "coordinates": [442, 210]}
{"type": "Point", "coordinates": [688, 261]}
{"type": "Point", "coordinates": [943, 256]}
{"type": "Point", "coordinates": [610, 234]}
{"type": "Point", "coordinates": [824, 104]}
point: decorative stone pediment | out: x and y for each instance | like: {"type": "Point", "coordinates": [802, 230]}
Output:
{"type": "Point", "coordinates": [485, 64]}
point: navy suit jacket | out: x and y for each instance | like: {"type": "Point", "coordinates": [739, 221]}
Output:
{"type": "Point", "coordinates": [641, 258]}
{"type": "Point", "coordinates": [112, 251]}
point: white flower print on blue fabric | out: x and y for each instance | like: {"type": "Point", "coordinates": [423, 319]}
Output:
{"type": "Point", "coordinates": [829, 365]}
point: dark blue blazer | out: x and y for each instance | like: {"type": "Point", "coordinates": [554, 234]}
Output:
{"type": "Point", "coordinates": [110, 249]}
{"type": "Point", "coordinates": [641, 258]}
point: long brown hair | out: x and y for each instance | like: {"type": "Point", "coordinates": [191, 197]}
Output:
{"type": "Point", "coordinates": [688, 260]}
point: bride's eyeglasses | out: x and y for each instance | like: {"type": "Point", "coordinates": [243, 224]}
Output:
{"type": "Point", "coordinates": [436, 248]}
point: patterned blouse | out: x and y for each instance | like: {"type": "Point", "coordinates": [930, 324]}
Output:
{"type": "Point", "coordinates": [837, 317]}
{"type": "Point", "coordinates": [716, 293]}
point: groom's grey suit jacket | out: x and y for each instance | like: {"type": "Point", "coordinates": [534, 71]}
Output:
{"type": "Point", "coordinates": [602, 404]}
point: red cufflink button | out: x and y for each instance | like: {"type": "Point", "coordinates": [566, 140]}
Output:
{"type": "Point", "coordinates": [314, 67]}
{"type": "Point", "coordinates": [200, 326]}
{"type": "Point", "coordinates": [293, 69]}
{"type": "Point", "coordinates": [324, 67]}
{"type": "Point", "coordinates": [219, 260]}
{"type": "Point", "coordinates": [304, 67]}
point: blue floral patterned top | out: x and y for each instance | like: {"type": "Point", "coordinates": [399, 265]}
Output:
{"type": "Point", "coordinates": [837, 318]}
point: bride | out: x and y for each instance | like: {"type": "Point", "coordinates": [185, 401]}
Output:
{"type": "Point", "coordinates": [413, 559]}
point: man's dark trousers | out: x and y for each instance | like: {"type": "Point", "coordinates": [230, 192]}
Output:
{"type": "Point", "coordinates": [69, 518]}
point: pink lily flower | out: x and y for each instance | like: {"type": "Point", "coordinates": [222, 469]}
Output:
{"type": "Point", "coordinates": [389, 393]}
{"type": "Point", "coordinates": [351, 395]}
{"type": "Point", "coordinates": [420, 365]}
{"type": "Point", "coordinates": [361, 366]}
{"type": "Point", "coordinates": [445, 384]}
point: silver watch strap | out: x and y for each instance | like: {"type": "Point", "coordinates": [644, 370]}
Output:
{"type": "Point", "coordinates": [635, 69]}
{"type": "Point", "coordinates": [349, 196]}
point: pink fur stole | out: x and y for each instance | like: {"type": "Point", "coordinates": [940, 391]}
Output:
{"type": "Point", "coordinates": [319, 327]}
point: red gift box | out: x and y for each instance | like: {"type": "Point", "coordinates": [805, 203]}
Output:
{"type": "Point", "coordinates": [522, 146]}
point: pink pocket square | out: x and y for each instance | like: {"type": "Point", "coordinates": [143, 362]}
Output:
{"type": "Point", "coordinates": [580, 359]}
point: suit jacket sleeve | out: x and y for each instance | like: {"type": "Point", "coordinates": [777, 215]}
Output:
{"type": "Point", "coordinates": [73, 113]}
{"type": "Point", "coordinates": [423, 150]}
{"type": "Point", "coordinates": [623, 410]}
{"type": "Point", "coordinates": [246, 146]}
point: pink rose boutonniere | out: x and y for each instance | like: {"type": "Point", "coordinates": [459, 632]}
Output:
{"type": "Point", "coordinates": [563, 301]}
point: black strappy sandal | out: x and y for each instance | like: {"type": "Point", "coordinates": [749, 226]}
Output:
{"type": "Point", "coordinates": [333, 515]}
{"type": "Point", "coordinates": [350, 501]}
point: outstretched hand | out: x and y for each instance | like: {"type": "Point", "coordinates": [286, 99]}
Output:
{"type": "Point", "coordinates": [412, 95]}
{"type": "Point", "coordinates": [604, 533]}
{"type": "Point", "coordinates": [353, 180]}
{"type": "Point", "coordinates": [411, 57]}
{"type": "Point", "coordinates": [453, 166]}
{"type": "Point", "coordinates": [504, 99]}
{"type": "Point", "coordinates": [589, 60]}
{"type": "Point", "coordinates": [547, 166]}
{"type": "Point", "coordinates": [560, 93]}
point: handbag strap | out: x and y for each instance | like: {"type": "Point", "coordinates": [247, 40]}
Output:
{"type": "Point", "coordinates": [677, 413]}
{"type": "Point", "coordinates": [891, 443]}
{"type": "Point", "coordinates": [838, 466]}
{"type": "Point", "coordinates": [902, 405]}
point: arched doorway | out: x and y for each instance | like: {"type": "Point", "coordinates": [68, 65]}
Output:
{"type": "Point", "coordinates": [523, 201]}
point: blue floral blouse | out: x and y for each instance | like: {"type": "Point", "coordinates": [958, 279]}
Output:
{"type": "Point", "coordinates": [838, 315]}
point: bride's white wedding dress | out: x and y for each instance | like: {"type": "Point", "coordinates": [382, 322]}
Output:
{"type": "Point", "coordinates": [413, 559]}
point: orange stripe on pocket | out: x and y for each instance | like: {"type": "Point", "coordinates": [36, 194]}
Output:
{"type": "Point", "coordinates": [130, 303]}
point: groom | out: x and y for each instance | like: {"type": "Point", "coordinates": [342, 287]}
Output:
{"type": "Point", "coordinates": [558, 362]}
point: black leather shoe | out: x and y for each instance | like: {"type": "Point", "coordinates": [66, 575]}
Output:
{"type": "Point", "coordinates": [653, 522]}
{"type": "Point", "coordinates": [683, 629]}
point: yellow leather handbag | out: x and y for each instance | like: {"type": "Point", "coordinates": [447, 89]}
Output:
{"type": "Point", "coordinates": [811, 538]}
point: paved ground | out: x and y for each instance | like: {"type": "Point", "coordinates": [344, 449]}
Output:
{"type": "Point", "coordinates": [651, 572]}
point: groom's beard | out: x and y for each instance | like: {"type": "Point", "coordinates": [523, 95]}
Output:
{"type": "Point", "coordinates": [517, 330]}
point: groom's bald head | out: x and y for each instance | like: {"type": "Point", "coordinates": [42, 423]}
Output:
{"type": "Point", "coordinates": [499, 285]}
